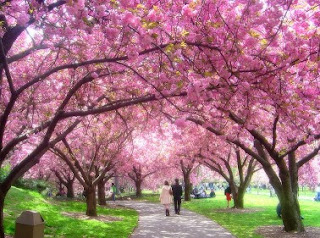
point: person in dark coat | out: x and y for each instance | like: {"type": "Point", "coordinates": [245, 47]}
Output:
{"type": "Point", "coordinates": [177, 193]}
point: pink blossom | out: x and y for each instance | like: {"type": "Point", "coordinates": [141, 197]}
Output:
{"type": "Point", "coordinates": [311, 92]}
{"type": "Point", "coordinates": [130, 19]}
{"type": "Point", "coordinates": [313, 2]}
{"type": "Point", "coordinates": [206, 124]}
{"type": "Point", "coordinates": [176, 136]}
{"type": "Point", "coordinates": [187, 11]}
{"type": "Point", "coordinates": [250, 127]}
{"type": "Point", "coordinates": [246, 85]}
{"type": "Point", "coordinates": [68, 31]}
{"type": "Point", "coordinates": [300, 15]}
{"type": "Point", "coordinates": [251, 42]}
{"type": "Point", "coordinates": [302, 73]}
{"type": "Point", "coordinates": [317, 18]}
{"type": "Point", "coordinates": [132, 54]}
{"type": "Point", "coordinates": [111, 33]}
{"type": "Point", "coordinates": [152, 16]}
{"type": "Point", "coordinates": [309, 140]}
{"type": "Point", "coordinates": [23, 19]}
{"type": "Point", "coordinates": [80, 4]}
{"type": "Point", "coordinates": [94, 75]}
{"type": "Point", "coordinates": [101, 8]}
{"type": "Point", "coordinates": [181, 123]}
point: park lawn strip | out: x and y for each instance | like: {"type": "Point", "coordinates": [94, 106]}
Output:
{"type": "Point", "coordinates": [57, 225]}
{"type": "Point", "coordinates": [263, 213]}
{"type": "Point", "coordinates": [151, 197]}
{"type": "Point", "coordinates": [260, 211]}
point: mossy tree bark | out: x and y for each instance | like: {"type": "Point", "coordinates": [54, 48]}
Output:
{"type": "Point", "coordinates": [2, 197]}
{"type": "Point", "coordinates": [186, 171]}
{"type": "Point", "coordinates": [91, 201]}
{"type": "Point", "coordinates": [101, 193]}
{"type": "Point", "coordinates": [138, 184]}
{"type": "Point", "coordinates": [70, 190]}
{"type": "Point", "coordinates": [286, 188]}
{"type": "Point", "coordinates": [187, 186]}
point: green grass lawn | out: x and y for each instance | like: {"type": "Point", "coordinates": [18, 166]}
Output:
{"type": "Point", "coordinates": [243, 225]}
{"type": "Point", "coordinates": [303, 193]}
{"type": "Point", "coordinates": [147, 196]}
{"type": "Point", "coordinates": [58, 225]}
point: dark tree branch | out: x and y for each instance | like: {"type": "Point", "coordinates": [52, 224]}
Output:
{"type": "Point", "coordinates": [308, 157]}
{"type": "Point", "coordinates": [274, 132]}
{"type": "Point", "coordinates": [3, 60]}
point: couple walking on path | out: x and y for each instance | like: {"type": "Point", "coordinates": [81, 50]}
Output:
{"type": "Point", "coordinates": [152, 223]}
{"type": "Point", "coordinates": [167, 193]}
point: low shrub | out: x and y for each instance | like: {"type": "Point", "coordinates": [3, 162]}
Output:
{"type": "Point", "coordinates": [32, 184]}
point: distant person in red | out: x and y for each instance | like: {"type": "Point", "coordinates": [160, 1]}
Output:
{"type": "Point", "coordinates": [227, 192]}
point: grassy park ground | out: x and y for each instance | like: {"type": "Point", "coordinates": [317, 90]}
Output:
{"type": "Point", "coordinates": [260, 210]}
{"type": "Point", "coordinates": [119, 222]}
{"type": "Point", "coordinates": [60, 216]}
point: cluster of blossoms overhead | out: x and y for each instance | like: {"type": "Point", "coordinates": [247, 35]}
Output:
{"type": "Point", "coordinates": [258, 59]}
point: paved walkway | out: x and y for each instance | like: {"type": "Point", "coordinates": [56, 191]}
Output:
{"type": "Point", "coordinates": [153, 223]}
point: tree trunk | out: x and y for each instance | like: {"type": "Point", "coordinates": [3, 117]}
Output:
{"type": "Point", "coordinates": [238, 198]}
{"type": "Point", "coordinates": [2, 197]}
{"type": "Point", "coordinates": [101, 193]}
{"type": "Point", "coordinates": [91, 201]}
{"type": "Point", "coordinates": [138, 184]}
{"type": "Point", "coordinates": [290, 209]}
{"type": "Point", "coordinates": [70, 191]}
{"type": "Point", "coordinates": [187, 187]}
{"type": "Point", "coordinates": [116, 183]}
{"type": "Point", "coordinates": [290, 213]}
{"type": "Point", "coordinates": [234, 191]}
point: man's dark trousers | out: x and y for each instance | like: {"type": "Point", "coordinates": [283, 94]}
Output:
{"type": "Point", "coordinates": [177, 204]}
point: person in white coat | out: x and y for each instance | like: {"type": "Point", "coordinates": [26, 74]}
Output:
{"type": "Point", "coordinates": [166, 197]}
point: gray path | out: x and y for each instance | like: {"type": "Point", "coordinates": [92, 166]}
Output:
{"type": "Point", "coordinates": [154, 223]}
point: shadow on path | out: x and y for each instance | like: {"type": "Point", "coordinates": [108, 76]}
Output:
{"type": "Point", "coordinates": [154, 223]}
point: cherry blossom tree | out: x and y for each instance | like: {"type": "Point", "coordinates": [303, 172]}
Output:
{"type": "Point", "coordinates": [66, 178]}
{"type": "Point", "coordinates": [285, 182]}
{"type": "Point", "coordinates": [148, 162]}
{"type": "Point", "coordinates": [44, 64]}
{"type": "Point", "coordinates": [235, 168]}
{"type": "Point", "coordinates": [308, 176]}
{"type": "Point", "coordinates": [266, 97]}
{"type": "Point", "coordinates": [92, 153]}
{"type": "Point", "coordinates": [190, 141]}
{"type": "Point", "coordinates": [233, 62]}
